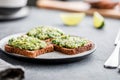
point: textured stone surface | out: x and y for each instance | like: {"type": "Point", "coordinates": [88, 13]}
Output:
{"type": "Point", "coordinates": [90, 68]}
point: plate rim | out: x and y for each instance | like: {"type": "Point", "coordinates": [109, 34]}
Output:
{"type": "Point", "coordinates": [21, 56]}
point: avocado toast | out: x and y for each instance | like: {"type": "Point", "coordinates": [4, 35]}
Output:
{"type": "Point", "coordinates": [45, 33]}
{"type": "Point", "coordinates": [72, 45]}
{"type": "Point", "coordinates": [28, 46]}
{"type": "Point", "coordinates": [46, 39]}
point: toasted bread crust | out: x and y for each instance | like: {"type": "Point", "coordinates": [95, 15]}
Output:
{"type": "Point", "coordinates": [31, 54]}
{"type": "Point", "coordinates": [86, 47]}
{"type": "Point", "coordinates": [49, 48]}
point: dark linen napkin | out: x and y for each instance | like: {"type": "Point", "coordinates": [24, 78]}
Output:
{"type": "Point", "coordinates": [10, 72]}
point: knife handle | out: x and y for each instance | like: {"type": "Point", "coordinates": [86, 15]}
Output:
{"type": "Point", "coordinates": [113, 60]}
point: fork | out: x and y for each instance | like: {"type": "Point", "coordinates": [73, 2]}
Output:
{"type": "Point", "coordinates": [113, 60]}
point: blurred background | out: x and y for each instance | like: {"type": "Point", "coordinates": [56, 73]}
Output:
{"type": "Point", "coordinates": [12, 9]}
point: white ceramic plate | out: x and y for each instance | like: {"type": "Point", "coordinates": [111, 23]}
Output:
{"type": "Point", "coordinates": [48, 57]}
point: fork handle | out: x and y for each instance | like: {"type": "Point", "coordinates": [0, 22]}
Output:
{"type": "Point", "coordinates": [113, 60]}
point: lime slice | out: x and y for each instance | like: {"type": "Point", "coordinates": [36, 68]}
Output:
{"type": "Point", "coordinates": [72, 19]}
{"type": "Point", "coordinates": [98, 20]}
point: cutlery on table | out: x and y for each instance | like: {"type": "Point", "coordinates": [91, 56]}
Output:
{"type": "Point", "coordinates": [113, 60]}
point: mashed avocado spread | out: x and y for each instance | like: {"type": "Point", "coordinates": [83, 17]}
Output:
{"type": "Point", "coordinates": [45, 32]}
{"type": "Point", "coordinates": [69, 41]}
{"type": "Point", "coordinates": [27, 43]}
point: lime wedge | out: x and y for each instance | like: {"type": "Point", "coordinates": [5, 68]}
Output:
{"type": "Point", "coordinates": [72, 19]}
{"type": "Point", "coordinates": [98, 20]}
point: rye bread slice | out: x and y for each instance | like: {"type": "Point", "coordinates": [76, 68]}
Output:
{"type": "Point", "coordinates": [68, 51]}
{"type": "Point", "coordinates": [28, 53]}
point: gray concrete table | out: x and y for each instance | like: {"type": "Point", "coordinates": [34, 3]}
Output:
{"type": "Point", "coordinates": [90, 68]}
